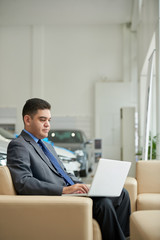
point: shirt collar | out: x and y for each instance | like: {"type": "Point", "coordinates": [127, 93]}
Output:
{"type": "Point", "coordinates": [34, 138]}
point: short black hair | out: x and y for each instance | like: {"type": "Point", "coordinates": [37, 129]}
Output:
{"type": "Point", "coordinates": [33, 105]}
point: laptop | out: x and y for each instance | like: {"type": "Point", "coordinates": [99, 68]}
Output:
{"type": "Point", "coordinates": [109, 179]}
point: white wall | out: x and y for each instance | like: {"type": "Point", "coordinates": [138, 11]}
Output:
{"type": "Point", "coordinates": [15, 67]}
{"type": "Point", "coordinates": [75, 58]}
{"type": "Point", "coordinates": [59, 63]}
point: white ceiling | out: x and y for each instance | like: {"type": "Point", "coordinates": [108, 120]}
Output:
{"type": "Point", "coordinates": [66, 11]}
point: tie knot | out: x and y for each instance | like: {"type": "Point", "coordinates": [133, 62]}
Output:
{"type": "Point", "coordinates": [41, 144]}
{"type": "Point", "coordinates": [40, 141]}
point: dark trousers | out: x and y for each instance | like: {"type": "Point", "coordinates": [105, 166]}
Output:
{"type": "Point", "coordinates": [112, 214]}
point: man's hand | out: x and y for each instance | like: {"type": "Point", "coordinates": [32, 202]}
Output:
{"type": "Point", "coordinates": [76, 188]}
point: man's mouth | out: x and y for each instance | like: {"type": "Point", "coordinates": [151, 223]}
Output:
{"type": "Point", "coordinates": [46, 130]}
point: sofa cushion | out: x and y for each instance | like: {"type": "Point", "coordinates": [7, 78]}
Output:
{"type": "Point", "coordinates": [148, 176]}
{"type": "Point", "coordinates": [6, 184]}
{"type": "Point", "coordinates": [148, 201]}
{"type": "Point", "coordinates": [145, 225]}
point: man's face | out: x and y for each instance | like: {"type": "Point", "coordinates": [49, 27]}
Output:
{"type": "Point", "coordinates": [39, 124]}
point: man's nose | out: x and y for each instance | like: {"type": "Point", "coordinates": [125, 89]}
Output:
{"type": "Point", "coordinates": [47, 123]}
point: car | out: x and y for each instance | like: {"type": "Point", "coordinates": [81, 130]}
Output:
{"type": "Point", "coordinates": [6, 134]}
{"type": "Point", "coordinates": [5, 138]}
{"type": "Point", "coordinates": [76, 141]}
{"type": "Point", "coordinates": [3, 157]}
{"type": "Point", "coordinates": [3, 150]}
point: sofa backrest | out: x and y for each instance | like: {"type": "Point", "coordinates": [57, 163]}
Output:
{"type": "Point", "coordinates": [148, 176]}
{"type": "Point", "coordinates": [6, 184]}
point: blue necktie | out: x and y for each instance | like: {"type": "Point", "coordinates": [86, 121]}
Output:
{"type": "Point", "coordinates": [55, 163]}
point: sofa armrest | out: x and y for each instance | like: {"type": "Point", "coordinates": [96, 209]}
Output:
{"type": "Point", "coordinates": [96, 231]}
{"type": "Point", "coordinates": [131, 186]}
{"type": "Point", "coordinates": [45, 217]}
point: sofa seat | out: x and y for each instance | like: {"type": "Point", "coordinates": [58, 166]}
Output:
{"type": "Point", "coordinates": [148, 201]}
{"type": "Point", "coordinates": [47, 217]}
{"type": "Point", "coordinates": [145, 225]}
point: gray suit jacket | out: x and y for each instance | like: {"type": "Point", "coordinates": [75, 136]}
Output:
{"type": "Point", "coordinates": [32, 172]}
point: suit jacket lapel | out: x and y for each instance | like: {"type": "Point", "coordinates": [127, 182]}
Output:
{"type": "Point", "coordinates": [38, 149]}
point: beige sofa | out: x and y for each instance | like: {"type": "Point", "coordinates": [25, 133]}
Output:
{"type": "Point", "coordinates": [148, 185]}
{"type": "Point", "coordinates": [145, 221]}
{"type": "Point", "coordinates": [39, 217]}
{"type": "Point", "coordinates": [47, 217]}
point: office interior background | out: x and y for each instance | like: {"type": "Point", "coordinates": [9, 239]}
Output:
{"type": "Point", "coordinates": [90, 60]}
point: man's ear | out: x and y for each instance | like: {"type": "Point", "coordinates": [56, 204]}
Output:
{"type": "Point", "coordinates": [27, 120]}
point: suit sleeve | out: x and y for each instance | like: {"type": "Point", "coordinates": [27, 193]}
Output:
{"type": "Point", "coordinates": [18, 161]}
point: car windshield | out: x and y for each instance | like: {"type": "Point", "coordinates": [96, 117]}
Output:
{"type": "Point", "coordinates": [6, 134]}
{"type": "Point", "coordinates": [66, 136]}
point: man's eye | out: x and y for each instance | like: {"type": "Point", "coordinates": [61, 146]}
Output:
{"type": "Point", "coordinates": [42, 120]}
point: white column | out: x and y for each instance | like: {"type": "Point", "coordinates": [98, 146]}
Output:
{"type": "Point", "coordinates": [141, 96]}
{"type": "Point", "coordinates": [134, 68]}
{"type": "Point", "coordinates": [37, 88]}
{"type": "Point", "coordinates": [126, 53]}
{"type": "Point", "coordinates": [158, 84]}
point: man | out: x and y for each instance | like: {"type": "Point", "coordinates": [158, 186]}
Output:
{"type": "Point", "coordinates": [36, 170]}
